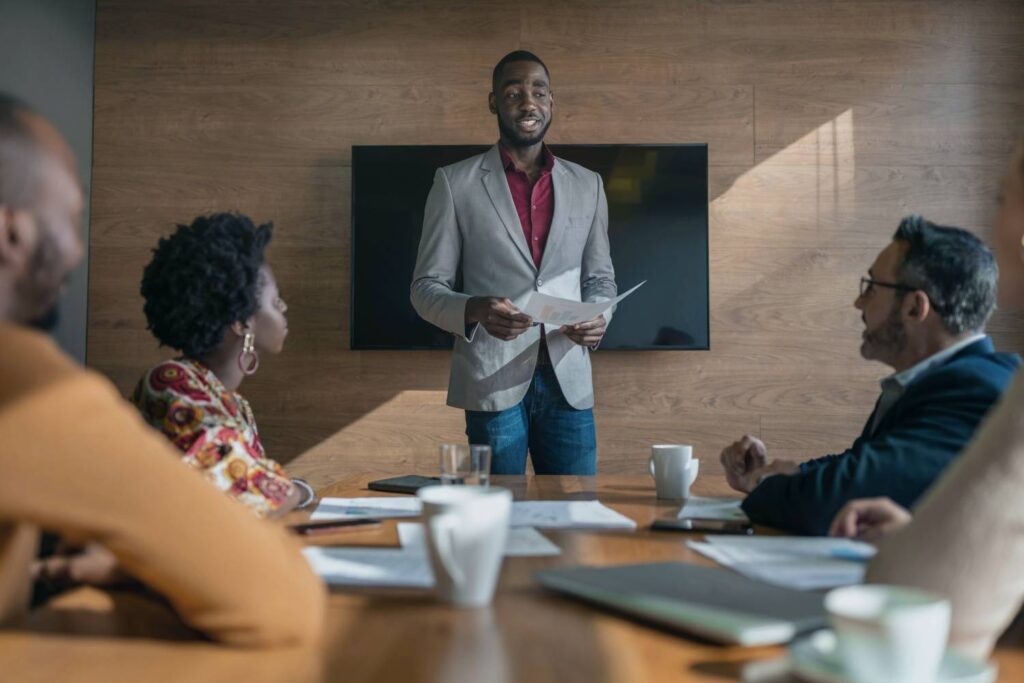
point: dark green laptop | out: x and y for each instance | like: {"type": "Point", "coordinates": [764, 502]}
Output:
{"type": "Point", "coordinates": [712, 603]}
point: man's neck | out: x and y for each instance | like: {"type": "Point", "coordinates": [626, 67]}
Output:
{"type": "Point", "coordinates": [925, 348]}
{"type": "Point", "coordinates": [527, 159]}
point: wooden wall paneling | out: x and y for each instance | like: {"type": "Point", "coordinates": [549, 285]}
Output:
{"type": "Point", "coordinates": [827, 122]}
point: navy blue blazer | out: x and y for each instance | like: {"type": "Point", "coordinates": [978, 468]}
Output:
{"type": "Point", "coordinates": [921, 434]}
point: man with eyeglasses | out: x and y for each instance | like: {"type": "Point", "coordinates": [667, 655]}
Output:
{"type": "Point", "coordinates": [924, 305]}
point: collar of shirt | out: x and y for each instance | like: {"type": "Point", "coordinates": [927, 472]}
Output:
{"type": "Point", "coordinates": [895, 384]}
{"type": "Point", "coordinates": [904, 378]}
{"type": "Point", "coordinates": [547, 160]}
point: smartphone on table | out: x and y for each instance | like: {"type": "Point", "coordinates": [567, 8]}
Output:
{"type": "Point", "coordinates": [703, 526]}
{"type": "Point", "coordinates": [410, 483]}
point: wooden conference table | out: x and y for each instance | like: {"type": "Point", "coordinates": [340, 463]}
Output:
{"type": "Point", "coordinates": [406, 636]}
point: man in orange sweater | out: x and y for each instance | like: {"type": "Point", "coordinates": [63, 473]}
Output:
{"type": "Point", "coordinates": [77, 460]}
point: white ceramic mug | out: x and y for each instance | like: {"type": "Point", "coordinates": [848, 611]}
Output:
{"type": "Point", "coordinates": [674, 470]}
{"type": "Point", "coordinates": [466, 527]}
{"type": "Point", "coordinates": [889, 633]}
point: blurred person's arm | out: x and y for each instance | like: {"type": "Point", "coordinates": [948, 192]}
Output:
{"type": "Point", "coordinates": [966, 540]}
{"type": "Point", "coordinates": [79, 461]}
{"type": "Point", "coordinates": [869, 519]}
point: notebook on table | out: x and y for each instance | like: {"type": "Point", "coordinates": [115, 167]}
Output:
{"type": "Point", "coordinates": [709, 602]}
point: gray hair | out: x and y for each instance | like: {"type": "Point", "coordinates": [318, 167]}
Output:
{"type": "Point", "coordinates": [19, 151]}
{"type": "Point", "coordinates": [954, 268]}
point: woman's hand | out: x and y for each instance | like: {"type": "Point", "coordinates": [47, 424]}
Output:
{"type": "Point", "coordinates": [869, 519]}
{"type": "Point", "coordinates": [94, 565]}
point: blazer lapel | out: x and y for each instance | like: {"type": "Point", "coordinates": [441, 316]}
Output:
{"type": "Point", "coordinates": [497, 189]}
{"type": "Point", "coordinates": [561, 190]}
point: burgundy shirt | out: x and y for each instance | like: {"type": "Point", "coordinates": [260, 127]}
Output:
{"type": "Point", "coordinates": [535, 202]}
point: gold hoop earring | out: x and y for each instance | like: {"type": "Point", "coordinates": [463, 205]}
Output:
{"type": "Point", "coordinates": [248, 359]}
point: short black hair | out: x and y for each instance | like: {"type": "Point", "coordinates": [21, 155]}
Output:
{"type": "Point", "coordinates": [515, 56]}
{"type": "Point", "coordinates": [954, 268]}
{"type": "Point", "coordinates": [202, 279]}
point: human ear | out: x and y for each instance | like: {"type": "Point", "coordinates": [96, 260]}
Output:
{"type": "Point", "coordinates": [17, 232]}
{"type": "Point", "coordinates": [492, 103]}
{"type": "Point", "coordinates": [240, 328]}
{"type": "Point", "coordinates": [919, 305]}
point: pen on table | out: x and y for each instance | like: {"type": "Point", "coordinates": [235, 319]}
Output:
{"type": "Point", "coordinates": [325, 528]}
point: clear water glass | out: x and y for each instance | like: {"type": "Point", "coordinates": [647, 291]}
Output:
{"type": "Point", "coordinates": [465, 464]}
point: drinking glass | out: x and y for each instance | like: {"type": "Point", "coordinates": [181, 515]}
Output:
{"type": "Point", "coordinates": [465, 464]}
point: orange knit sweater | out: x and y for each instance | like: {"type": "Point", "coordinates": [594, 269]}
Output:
{"type": "Point", "coordinates": [77, 460]}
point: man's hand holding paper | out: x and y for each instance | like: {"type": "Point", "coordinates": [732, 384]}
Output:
{"type": "Point", "coordinates": [587, 333]}
{"type": "Point", "coordinates": [498, 315]}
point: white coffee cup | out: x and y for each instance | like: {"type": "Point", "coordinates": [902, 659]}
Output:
{"type": "Point", "coordinates": [674, 470]}
{"type": "Point", "coordinates": [886, 634]}
{"type": "Point", "coordinates": [466, 527]}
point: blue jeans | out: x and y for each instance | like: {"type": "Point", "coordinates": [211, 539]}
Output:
{"type": "Point", "coordinates": [560, 438]}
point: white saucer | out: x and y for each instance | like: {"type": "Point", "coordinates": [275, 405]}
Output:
{"type": "Point", "coordinates": [814, 659]}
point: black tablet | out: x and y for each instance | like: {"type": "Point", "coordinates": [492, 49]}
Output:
{"type": "Point", "coordinates": [409, 483]}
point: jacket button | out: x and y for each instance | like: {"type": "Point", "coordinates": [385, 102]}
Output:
{"type": "Point", "coordinates": [540, 282]}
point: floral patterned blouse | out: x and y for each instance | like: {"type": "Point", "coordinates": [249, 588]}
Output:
{"type": "Point", "coordinates": [215, 430]}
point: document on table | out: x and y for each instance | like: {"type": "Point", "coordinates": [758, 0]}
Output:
{"type": "Point", "coordinates": [713, 508]}
{"type": "Point", "coordinates": [552, 310]}
{"type": "Point", "coordinates": [379, 506]}
{"type": "Point", "coordinates": [394, 567]}
{"type": "Point", "coordinates": [568, 514]}
{"type": "Point", "coordinates": [543, 514]}
{"type": "Point", "coordinates": [521, 542]}
{"type": "Point", "coordinates": [794, 562]}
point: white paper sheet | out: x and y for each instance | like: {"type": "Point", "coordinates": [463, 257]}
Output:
{"type": "Point", "coordinates": [379, 506]}
{"type": "Point", "coordinates": [552, 310]}
{"type": "Point", "coordinates": [713, 508]}
{"type": "Point", "coordinates": [543, 514]}
{"type": "Point", "coordinates": [794, 562]}
{"type": "Point", "coordinates": [393, 567]}
{"type": "Point", "coordinates": [568, 514]}
{"type": "Point", "coordinates": [804, 546]}
{"type": "Point", "coordinates": [522, 541]}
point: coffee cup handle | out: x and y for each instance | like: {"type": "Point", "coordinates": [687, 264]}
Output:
{"type": "Point", "coordinates": [691, 471]}
{"type": "Point", "coordinates": [442, 530]}
{"type": "Point", "coordinates": [650, 466]}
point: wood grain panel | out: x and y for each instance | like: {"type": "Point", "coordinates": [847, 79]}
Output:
{"type": "Point", "coordinates": [760, 40]}
{"type": "Point", "coordinates": [827, 122]}
{"type": "Point", "coordinates": [894, 123]}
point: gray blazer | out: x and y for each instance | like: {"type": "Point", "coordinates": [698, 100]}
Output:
{"type": "Point", "coordinates": [471, 221]}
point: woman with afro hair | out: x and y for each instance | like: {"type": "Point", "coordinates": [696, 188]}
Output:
{"type": "Point", "coordinates": [210, 295]}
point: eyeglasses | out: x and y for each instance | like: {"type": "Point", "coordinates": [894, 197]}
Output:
{"type": "Point", "coordinates": [866, 284]}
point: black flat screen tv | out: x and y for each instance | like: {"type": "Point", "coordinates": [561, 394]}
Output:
{"type": "Point", "coordinates": [657, 228]}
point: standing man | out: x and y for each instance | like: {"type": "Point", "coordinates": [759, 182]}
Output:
{"type": "Point", "coordinates": [517, 220]}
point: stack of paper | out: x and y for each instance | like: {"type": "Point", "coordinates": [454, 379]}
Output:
{"type": "Point", "coordinates": [521, 542]}
{"type": "Point", "coordinates": [568, 514]}
{"type": "Point", "coordinates": [408, 566]}
{"type": "Point", "coordinates": [542, 514]}
{"type": "Point", "coordinates": [794, 562]}
{"type": "Point", "coordinates": [393, 567]}
{"type": "Point", "coordinates": [380, 507]}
